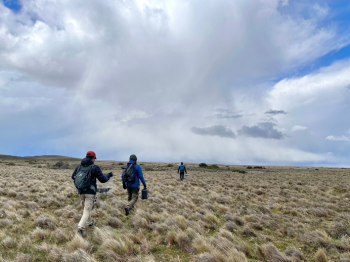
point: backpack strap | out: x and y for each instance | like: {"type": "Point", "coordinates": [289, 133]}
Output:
{"type": "Point", "coordinates": [77, 171]}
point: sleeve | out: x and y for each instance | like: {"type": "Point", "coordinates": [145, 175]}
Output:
{"type": "Point", "coordinates": [185, 169]}
{"type": "Point", "coordinates": [99, 175]}
{"type": "Point", "coordinates": [75, 173]}
{"type": "Point", "coordinates": [178, 169]}
{"type": "Point", "coordinates": [140, 175]}
{"type": "Point", "coordinates": [123, 177]}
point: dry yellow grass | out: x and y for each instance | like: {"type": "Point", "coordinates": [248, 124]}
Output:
{"type": "Point", "coordinates": [273, 214]}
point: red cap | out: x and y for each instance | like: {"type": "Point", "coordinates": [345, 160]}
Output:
{"type": "Point", "coordinates": [91, 153]}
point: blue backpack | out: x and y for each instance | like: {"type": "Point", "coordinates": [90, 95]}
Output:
{"type": "Point", "coordinates": [182, 168]}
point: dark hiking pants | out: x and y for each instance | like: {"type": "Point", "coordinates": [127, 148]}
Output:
{"type": "Point", "coordinates": [182, 173]}
{"type": "Point", "coordinates": [133, 195]}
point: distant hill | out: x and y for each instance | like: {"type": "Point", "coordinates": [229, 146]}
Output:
{"type": "Point", "coordinates": [38, 158]}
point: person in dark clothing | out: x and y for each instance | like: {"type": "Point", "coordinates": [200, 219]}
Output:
{"type": "Point", "coordinates": [88, 196]}
{"type": "Point", "coordinates": [182, 170]}
{"type": "Point", "coordinates": [133, 187]}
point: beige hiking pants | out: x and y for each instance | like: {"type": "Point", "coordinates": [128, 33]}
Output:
{"type": "Point", "coordinates": [88, 203]}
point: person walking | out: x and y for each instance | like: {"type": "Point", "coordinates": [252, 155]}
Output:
{"type": "Point", "coordinates": [84, 177]}
{"type": "Point", "coordinates": [182, 170]}
{"type": "Point", "coordinates": [131, 177]}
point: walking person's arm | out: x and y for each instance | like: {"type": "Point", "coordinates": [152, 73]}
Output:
{"type": "Point", "coordinates": [178, 170]}
{"type": "Point", "coordinates": [100, 176]}
{"type": "Point", "coordinates": [185, 169]}
{"type": "Point", "coordinates": [140, 175]}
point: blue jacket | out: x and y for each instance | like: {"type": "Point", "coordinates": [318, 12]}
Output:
{"type": "Point", "coordinates": [138, 176]}
{"type": "Point", "coordinates": [95, 173]}
{"type": "Point", "coordinates": [182, 168]}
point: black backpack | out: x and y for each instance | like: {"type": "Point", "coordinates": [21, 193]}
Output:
{"type": "Point", "coordinates": [82, 180]}
{"type": "Point", "coordinates": [129, 175]}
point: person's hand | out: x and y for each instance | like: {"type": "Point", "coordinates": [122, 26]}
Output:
{"type": "Point", "coordinates": [110, 174]}
{"type": "Point", "coordinates": [144, 187]}
{"type": "Point", "coordinates": [124, 185]}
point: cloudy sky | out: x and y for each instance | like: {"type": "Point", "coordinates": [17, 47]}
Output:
{"type": "Point", "coordinates": [216, 81]}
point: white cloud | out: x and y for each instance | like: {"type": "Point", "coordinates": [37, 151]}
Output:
{"type": "Point", "coordinates": [337, 138]}
{"type": "Point", "coordinates": [298, 128]}
{"type": "Point", "coordinates": [135, 76]}
{"type": "Point", "coordinates": [296, 92]}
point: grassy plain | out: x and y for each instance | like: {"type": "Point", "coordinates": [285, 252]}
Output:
{"type": "Point", "coordinates": [274, 214]}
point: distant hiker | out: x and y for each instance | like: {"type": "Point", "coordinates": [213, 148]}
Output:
{"type": "Point", "coordinates": [131, 177]}
{"type": "Point", "coordinates": [84, 177]}
{"type": "Point", "coordinates": [182, 170]}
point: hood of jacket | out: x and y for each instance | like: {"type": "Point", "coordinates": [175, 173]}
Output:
{"type": "Point", "coordinates": [86, 162]}
{"type": "Point", "coordinates": [131, 162]}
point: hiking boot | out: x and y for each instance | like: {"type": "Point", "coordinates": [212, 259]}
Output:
{"type": "Point", "coordinates": [81, 233]}
{"type": "Point", "coordinates": [92, 225]}
{"type": "Point", "coordinates": [127, 211]}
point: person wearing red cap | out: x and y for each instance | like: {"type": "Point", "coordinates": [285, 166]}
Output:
{"type": "Point", "coordinates": [91, 171]}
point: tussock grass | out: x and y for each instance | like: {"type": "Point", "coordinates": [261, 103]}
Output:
{"type": "Point", "coordinates": [39, 234]}
{"type": "Point", "coordinates": [270, 253]}
{"type": "Point", "coordinates": [266, 214]}
{"type": "Point", "coordinates": [79, 243]}
{"type": "Point", "coordinates": [321, 256]}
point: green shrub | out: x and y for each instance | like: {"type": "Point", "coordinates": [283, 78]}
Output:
{"type": "Point", "coordinates": [60, 165]}
{"type": "Point", "coordinates": [10, 164]}
{"type": "Point", "coordinates": [214, 166]}
{"type": "Point", "coordinates": [203, 165]}
{"type": "Point", "coordinates": [31, 162]}
{"type": "Point", "coordinates": [120, 163]}
{"type": "Point", "coordinates": [249, 167]}
{"type": "Point", "coordinates": [170, 165]}
{"type": "Point", "coordinates": [239, 171]}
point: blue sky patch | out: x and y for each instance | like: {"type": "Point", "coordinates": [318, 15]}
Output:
{"type": "Point", "coordinates": [324, 61]}
{"type": "Point", "coordinates": [14, 5]}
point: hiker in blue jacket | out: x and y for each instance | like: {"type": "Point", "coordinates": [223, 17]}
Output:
{"type": "Point", "coordinates": [182, 170]}
{"type": "Point", "coordinates": [133, 187]}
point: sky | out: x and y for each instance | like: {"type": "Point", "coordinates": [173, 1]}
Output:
{"type": "Point", "coordinates": [263, 82]}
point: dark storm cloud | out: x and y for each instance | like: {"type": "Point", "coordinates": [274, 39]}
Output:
{"type": "Point", "coordinates": [213, 131]}
{"type": "Point", "coordinates": [262, 130]}
{"type": "Point", "coordinates": [275, 112]}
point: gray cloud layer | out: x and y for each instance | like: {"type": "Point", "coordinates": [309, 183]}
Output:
{"type": "Point", "coordinates": [262, 130]}
{"type": "Point", "coordinates": [221, 116]}
{"type": "Point", "coordinates": [213, 131]}
{"type": "Point", "coordinates": [275, 112]}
